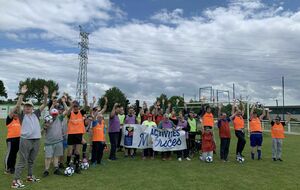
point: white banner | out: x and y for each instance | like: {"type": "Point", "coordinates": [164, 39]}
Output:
{"type": "Point", "coordinates": [142, 137]}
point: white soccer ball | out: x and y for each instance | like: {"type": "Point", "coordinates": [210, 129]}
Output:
{"type": "Point", "coordinates": [48, 119]}
{"type": "Point", "coordinates": [85, 165]}
{"type": "Point", "coordinates": [240, 159]}
{"type": "Point", "coordinates": [69, 171]}
{"type": "Point", "coordinates": [208, 159]}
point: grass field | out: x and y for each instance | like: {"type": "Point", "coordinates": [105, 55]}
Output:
{"type": "Point", "coordinates": [155, 174]}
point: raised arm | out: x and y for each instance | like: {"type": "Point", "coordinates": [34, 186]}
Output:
{"type": "Point", "coordinates": [233, 108]}
{"type": "Point", "coordinates": [105, 106]}
{"type": "Point", "coordinates": [54, 102]}
{"type": "Point", "coordinates": [169, 108]}
{"type": "Point", "coordinates": [261, 117]}
{"type": "Point", "coordinates": [46, 91]}
{"type": "Point", "coordinates": [288, 118]}
{"type": "Point", "coordinates": [242, 108]}
{"type": "Point", "coordinates": [85, 100]}
{"type": "Point", "coordinates": [53, 95]}
{"type": "Point", "coordinates": [67, 110]}
{"type": "Point", "coordinates": [23, 90]}
{"type": "Point", "coordinates": [113, 111]}
{"type": "Point", "coordinates": [219, 109]}
{"type": "Point", "coordinates": [252, 109]}
{"type": "Point", "coordinates": [268, 115]}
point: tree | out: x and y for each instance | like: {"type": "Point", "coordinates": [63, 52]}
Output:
{"type": "Point", "coordinates": [173, 101]}
{"type": "Point", "coordinates": [114, 95]}
{"type": "Point", "coordinates": [2, 90]}
{"type": "Point", "coordinates": [162, 97]}
{"type": "Point", "coordinates": [35, 88]}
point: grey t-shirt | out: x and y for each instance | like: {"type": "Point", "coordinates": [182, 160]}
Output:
{"type": "Point", "coordinates": [54, 133]}
{"type": "Point", "coordinates": [31, 128]}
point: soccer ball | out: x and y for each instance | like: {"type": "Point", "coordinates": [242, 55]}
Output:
{"type": "Point", "coordinates": [48, 119]}
{"type": "Point", "coordinates": [85, 165]}
{"type": "Point", "coordinates": [240, 159]}
{"type": "Point", "coordinates": [208, 159]}
{"type": "Point", "coordinates": [69, 171]}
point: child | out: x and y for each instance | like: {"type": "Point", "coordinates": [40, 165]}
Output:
{"type": "Point", "coordinates": [224, 133]}
{"type": "Point", "coordinates": [207, 144]}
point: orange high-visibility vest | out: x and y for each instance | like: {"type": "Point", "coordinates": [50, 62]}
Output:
{"type": "Point", "coordinates": [76, 124]}
{"type": "Point", "coordinates": [255, 125]}
{"type": "Point", "coordinates": [14, 129]}
{"type": "Point", "coordinates": [98, 132]}
{"type": "Point", "coordinates": [238, 122]}
{"type": "Point", "coordinates": [277, 131]}
{"type": "Point", "coordinates": [208, 119]}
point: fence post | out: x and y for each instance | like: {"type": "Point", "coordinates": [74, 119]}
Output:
{"type": "Point", "coordinates": [289, 127]}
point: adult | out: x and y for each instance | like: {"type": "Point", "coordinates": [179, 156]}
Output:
{"type": "Point", "coordinates": [208, 123]}
{"type": "Point", "coordinates": [182, 125]}
{"type": "Point", "coordinates": [122, 117]}
{"type": "Point", "coordinates": [53, 141]}
{"type": "Point", "coordinates": [256, 137]}
{"type": "Point", "coordinates": [148, 152]}
{"type": "Point", "coordinates": [13, 137]}
{"type": "Point", "coordinates": [192, 132]}
{"type": "Point", "coordinates": [238, 125]}
{"type": "Point", "coordinates": [277, 133]}
{"type": "Point", "coordinates": [30, 138]}
{"type": "Point", "coordinates": [76, 130]}
{"type": "Point", "coordinates": [114, 130]}
{"type": "Point", "coordinates": [166, 123]}
{"type": "Point", "coordinates": [129, 119]}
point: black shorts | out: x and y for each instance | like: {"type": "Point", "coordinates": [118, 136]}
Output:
{"type": "Point", "coordinates": [74, 139]}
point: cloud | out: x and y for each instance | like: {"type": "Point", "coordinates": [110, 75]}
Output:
{"type": "Point", "coordinates": [165, 16]}
{"type": "Point", "coordinates": [54, 19]}
{"type": "Point", "coordinates": [249, 44]}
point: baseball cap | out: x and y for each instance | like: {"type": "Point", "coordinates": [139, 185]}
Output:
{"type": "Point", "coordinates": [54, 112]}
{"type": "Point", "coordinates": [75, 103]}
{"type": "Point", "coordinates": [60, 107]}
{"type": "Point", "coordinates": [28, 103]}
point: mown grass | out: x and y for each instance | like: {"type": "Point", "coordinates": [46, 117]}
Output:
{"type": "Point", "coordinates": [155, 174]}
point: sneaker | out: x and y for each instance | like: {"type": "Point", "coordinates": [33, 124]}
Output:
{"type": "Point", "coordinates": [61, 166]}
{"type": "Point", "coordinates": [188, 159]}
{"type": "Point", "coordinates": [164, 159]}
{"type": "Point", "coordinates": [17, 184]}
{"type": "Point", "coordinates": [7, 172]}
{"type": "Point", "coordinates": [32, 179]}
{"type": "Point", "coordinates": [274, 159]}
{"type": "Point", "coordinates": [46, 173]}
{"type": "Point", "coordinates": [280, 159]}
{"type": "Point", "coordinates": [77, 170]}
{"type": "Point", "coordinates": [143, 158]}
{"type": "Point", "coordinates": [57, 172]}
{"type": "Point", "coordinates": [179, 159]}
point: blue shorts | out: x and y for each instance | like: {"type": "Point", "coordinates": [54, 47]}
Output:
{"type": "Point", "coordinates": [256, 139]}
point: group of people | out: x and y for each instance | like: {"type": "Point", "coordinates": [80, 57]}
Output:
{"type": "Point", "coordinates": [71, 127]}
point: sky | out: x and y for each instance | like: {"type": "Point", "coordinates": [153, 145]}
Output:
{"type": "Point", "coordinates": [150, 47]}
